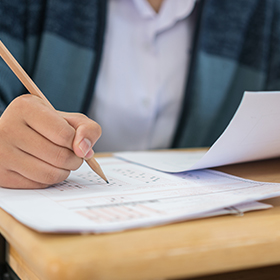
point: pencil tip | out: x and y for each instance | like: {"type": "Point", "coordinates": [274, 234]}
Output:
{"type": "Point", "coordinates": [107, 182]}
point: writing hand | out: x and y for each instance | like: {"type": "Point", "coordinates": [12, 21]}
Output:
{"type": "Point", "coordinates": [39, 146]}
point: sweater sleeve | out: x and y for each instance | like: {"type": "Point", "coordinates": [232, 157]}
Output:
{"type": "Point", "coordinates": [58, 43]}
{"type": "Point", "coordinates": [12, 35]}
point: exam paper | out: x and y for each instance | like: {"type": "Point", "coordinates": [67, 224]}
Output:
{"type": "Point", "coordinates": [253, 134]}
{"type": "Point", "coordinates": [136, 197]}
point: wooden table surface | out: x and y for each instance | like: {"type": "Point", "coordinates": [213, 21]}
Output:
{"type": "Point", "coordinates": [186, 249]}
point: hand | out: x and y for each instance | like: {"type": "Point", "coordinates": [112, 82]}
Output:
{"type": "Point", "coordinates": [39, 146]}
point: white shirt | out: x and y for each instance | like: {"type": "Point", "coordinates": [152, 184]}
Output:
{"type": "Point", "coordinates": [142, 76]}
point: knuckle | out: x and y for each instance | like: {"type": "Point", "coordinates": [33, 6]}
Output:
{"type": "Point", "coordinates": [62, 157]}
{"type": "Point", "coordinates": [66, 159]}
{"type": "Point", "coordinates": [55, 175]}
{"type": "Point", "coordinates": [23, 102]}
{"type": "Point", "coordinates": [96, 130]}
{"type": "Point", "coordinates": [22, 99]}
{"type": "Point", "coordinates": [5, 179]}
{"type": "Point", "coordinates": [76, 164]}
{"type": "Point", "coordinates": [81, 116]}
{"type": "Point", "coordinates": [66, 135]}
{"type": "Point", "coordinates": [19, 103]}
{"type": "Point", "coordinates": [25, 105]}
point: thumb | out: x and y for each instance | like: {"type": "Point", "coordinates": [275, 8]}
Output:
{"type": "Point", "coordinates": [87, 133]}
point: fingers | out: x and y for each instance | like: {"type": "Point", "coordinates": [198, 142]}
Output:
{"type": "Point", "coordinates": [35, 145]}
{"type": "Point", "coordinates": [87, 133]}
{"type": "Point", "coordinates": [34, 174]}
{"type": "Point", "coordinates": [21, 170]}
{"type": "Point", "coordinates": [44, 120]}
{"type": "Point", "coordinates": [39, 146]}
{"type": "Point", "coordinates": [13, 180]}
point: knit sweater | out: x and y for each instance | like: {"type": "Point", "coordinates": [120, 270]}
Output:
{"type": "Point", "coordinates": [59, 43]}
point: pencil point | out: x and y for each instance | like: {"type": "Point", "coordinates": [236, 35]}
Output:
{"type": "Point", "coordinates": [96, 168]}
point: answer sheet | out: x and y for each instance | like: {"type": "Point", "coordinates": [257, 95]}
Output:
{"type": "Point", "coordinates": [135, 197]}
{"type": "Point", "coordinates": [252, 134]}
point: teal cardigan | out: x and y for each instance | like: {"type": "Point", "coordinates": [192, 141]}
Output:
{"type": "Point", "coordinates": [59, 43]}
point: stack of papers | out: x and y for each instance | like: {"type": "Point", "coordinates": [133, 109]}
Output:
{"type": "Point", "coordinates": [136, 197]}
{"type": "Point", "coordinates": [140, 194]}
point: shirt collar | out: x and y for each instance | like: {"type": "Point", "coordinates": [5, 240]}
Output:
{"type": "Point", "coordinates": [180, 8]}
{"type": "Point", "coordinates": [145, 9]}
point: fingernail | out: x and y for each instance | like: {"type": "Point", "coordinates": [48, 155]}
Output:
{"type": "Point", "coordinates": [85, 146]}
{"type": "Point", "coordinates": [89, 154]}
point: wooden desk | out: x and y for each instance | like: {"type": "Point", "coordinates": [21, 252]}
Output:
{"type": "Point", "coordinates": [182, 250]}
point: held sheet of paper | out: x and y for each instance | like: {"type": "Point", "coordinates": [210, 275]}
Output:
{"type": "Point", "coordinates": [136, 197]}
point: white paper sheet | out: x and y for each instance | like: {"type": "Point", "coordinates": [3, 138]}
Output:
{"type": "Point", "coordinates": [136, 197]}
{"type": "Point", "coordinates": [253, 134]}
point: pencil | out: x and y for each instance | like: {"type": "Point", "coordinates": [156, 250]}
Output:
{"type": "Point", "coordinates": [33, 89]}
